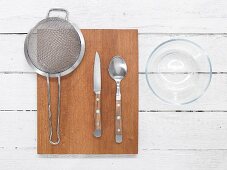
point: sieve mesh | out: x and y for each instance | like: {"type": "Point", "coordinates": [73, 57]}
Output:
{"type": "Point", "coordinates": [53, 46]}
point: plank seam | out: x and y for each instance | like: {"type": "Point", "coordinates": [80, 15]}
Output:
{"type": "Point", "coordinates": [215, 72]}
{"type": "Point", "coordinates": [215, 149]}
{"type": "Point", "coordinates": [142, 73]}
{"type": "Point", "coordinates": [143, 149]}
{"type": "Point", "coordinates": [140, 111]}
{"type": "Point", "coordinates": [17, 110]}
{"type": "Point", "coordinates": [145, 111]}
{"type": "Point", "coordinates": [16, 72]}
{"type": "Point", "coordinates": [182, 33]}
{"type": "Point", "coordinates": [142, 33]}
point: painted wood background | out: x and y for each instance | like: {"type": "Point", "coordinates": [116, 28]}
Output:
{"type": "Point", "coordinates": [190, 137]}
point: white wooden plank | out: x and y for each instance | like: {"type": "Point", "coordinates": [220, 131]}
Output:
{"type": "Point", "coordinates": [157, 131]}
{"type": "Point", "coordinates": [12, 57]}
{"type": "Point", "coordinates": [214, 98]}
{"type": "Point", "coordinates": [12, 54]}
{"type": "Point", "coordinates": [155, 160]}
{"type": "Point", "coordinates": [18, 129]}
{"type": "Point", "coordinates": [18, 92]}
{"type": "Point", "coordinates": [149, 16]}
{"type": "Point", "coordinates": [174, 130]}
{"type": "Point", "coordinates": [213, 45]}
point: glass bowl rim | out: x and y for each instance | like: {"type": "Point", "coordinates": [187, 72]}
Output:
{"type": "Point", "coordinates": [205, 55]}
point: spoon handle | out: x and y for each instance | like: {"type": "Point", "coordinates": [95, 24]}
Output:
{"type": "Point", "coordinates": [118, 121]}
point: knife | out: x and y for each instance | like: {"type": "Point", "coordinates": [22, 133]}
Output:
{"type": "Point", "coordinates": [97, 90]}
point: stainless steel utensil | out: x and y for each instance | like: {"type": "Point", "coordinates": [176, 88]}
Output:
{"type": "Point", "coordinates": [54, 48]}
{"type": "Point", "coordinates": [117, 71]}
{"type": "Point", "coordinates": [97, 90]}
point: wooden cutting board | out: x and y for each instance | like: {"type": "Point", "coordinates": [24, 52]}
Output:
{"type": "Point", "coordinates": [78, 99]}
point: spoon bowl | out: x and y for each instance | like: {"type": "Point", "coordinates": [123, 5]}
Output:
{"type": "Point", "coordinates": [117, 68]}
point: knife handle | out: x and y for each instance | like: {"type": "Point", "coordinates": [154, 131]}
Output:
{"type": "Point", "coordinates": [97, 116]}
{"type": "Point", "coordinates": [118, 122]}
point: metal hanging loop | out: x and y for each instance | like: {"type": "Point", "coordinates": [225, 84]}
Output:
{"type": "Point", "coordinates": [59, 10]}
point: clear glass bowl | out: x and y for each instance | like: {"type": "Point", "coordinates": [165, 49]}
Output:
{"type": "Point", "coordinates": [178, 71]}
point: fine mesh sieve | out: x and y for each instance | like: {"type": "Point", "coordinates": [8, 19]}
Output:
{"type": "Point", "coordinates": [54, 48]}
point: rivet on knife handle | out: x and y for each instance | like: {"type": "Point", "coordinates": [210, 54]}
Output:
{"type": "Point", "coordinates": [97, 116]}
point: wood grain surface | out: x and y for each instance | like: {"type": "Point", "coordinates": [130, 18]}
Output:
{"type": "Point", "coordinates": [77, 99]}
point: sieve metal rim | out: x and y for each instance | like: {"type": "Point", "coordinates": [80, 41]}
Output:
{"type": "Point", "coordinates": [70, 69]}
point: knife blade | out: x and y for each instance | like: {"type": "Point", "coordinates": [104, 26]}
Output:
{"type": "Point", "coordinates": [97, 74]}
{"type": "Point", "coordinates": [97, 90]}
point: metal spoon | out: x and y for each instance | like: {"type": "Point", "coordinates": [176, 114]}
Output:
{"type": "Point", "coordinates": [117, 71]}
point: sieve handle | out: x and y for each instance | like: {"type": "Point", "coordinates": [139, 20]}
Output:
{"type": "Point", "coordinates": [50, 113]}
{"type": "Point", "coordinates": [59, 10]}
